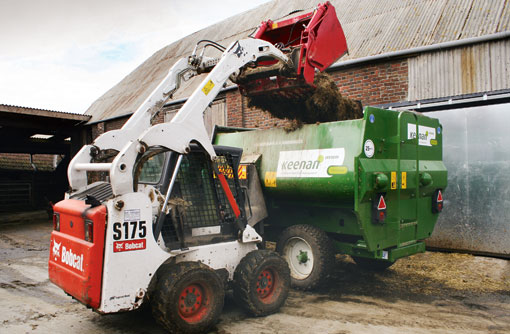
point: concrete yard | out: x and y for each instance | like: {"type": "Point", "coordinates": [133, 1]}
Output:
{"type": "Point", "coordinates": [426, 293]}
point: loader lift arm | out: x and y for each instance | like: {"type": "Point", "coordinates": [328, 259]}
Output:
{"type": "Point", "coordinates": [186, 127]}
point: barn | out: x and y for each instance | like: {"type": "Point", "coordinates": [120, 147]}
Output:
{"type": "Point", "coordinates": [447, 58]}
{"type": "Point", "coordinates": [35, 148]}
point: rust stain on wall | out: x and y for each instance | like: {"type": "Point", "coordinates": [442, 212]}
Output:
{"type": "Point", "coordinates": [467, 65]}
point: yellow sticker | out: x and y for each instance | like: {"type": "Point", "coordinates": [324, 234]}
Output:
{"type": "Point", "coordinates": [241, 172]}
{"type": "Point", "coordinates": [270, 180]}
{"type": "Point", "coordinates": [433, 142]}
{"type": "Point", "coordinates": [208, 86]}
{"type": "Point", "coordinates": [404, 180]}
{"type": "Point", "coordinates": [337, 170]}
{"type": "Point", "coordinates": [275, 25]}
{"type": "Point", "coordinates": [393, 180]}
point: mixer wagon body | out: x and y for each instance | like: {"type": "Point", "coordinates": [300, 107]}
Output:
{"type": "Point", "coordinates": [373, 185]}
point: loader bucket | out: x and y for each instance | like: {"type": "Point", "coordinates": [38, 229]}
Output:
{"type": "Point", "coordinates": [314, 40]}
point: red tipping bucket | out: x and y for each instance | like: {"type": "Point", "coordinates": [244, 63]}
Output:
{"type": "Point", "coordinates": [314, 40]}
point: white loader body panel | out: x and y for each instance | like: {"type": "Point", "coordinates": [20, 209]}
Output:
{"type": "Point", "coordinates": [132, 255]}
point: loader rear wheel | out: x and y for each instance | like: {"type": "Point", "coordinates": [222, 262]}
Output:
{"type": "Point", "coordinates": [188, 297]}
{"type": "Point", "coordinates": [309, 253]}
{"type": "Point", "coordinates": [372, 264]}
{"type": "Point", "coordinates": [261, 282]}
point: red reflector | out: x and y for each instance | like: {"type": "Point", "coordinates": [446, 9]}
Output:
{"type": "Point", "coordinates": [382, 204]}
{"type": "Point", "coordinates": [379, 209]}
{"type": "Point", "coordinates": [437, 201]}
{"type": "Point", "coordinates": [439, 196]}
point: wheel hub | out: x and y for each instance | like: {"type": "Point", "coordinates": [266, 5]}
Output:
{"type": "Point", "coordinates": [265, 284]}
{"type": "Point", "coordinates": [302, 257]}
{"type": "Point", "coordinates": [190, 300]}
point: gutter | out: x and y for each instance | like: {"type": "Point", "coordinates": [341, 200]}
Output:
{"type": "Point", "coordinates": [452, 102]}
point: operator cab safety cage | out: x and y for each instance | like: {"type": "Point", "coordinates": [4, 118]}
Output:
{"type": "Point", "coordinates": [200, 212]}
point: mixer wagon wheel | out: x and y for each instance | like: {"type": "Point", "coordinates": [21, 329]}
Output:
{"type": "Point", "coordinates": [309, 253]}
{"type": "Point", "coordinates": [261, 282]}
{"type": "Point", "coordinates": [188, 297]}
{"type": "Point", "coordinates": [372, 264]}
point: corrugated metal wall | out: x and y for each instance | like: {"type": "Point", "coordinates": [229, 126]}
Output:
{"type": "Point", "coordinates": [477, 68]}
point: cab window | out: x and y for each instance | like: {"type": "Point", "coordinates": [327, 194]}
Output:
{"type": "Point", "coordinates": [152, 169]}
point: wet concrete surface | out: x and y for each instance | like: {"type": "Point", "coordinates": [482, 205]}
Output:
{"type": "Point", "coordinates": [426, 293]}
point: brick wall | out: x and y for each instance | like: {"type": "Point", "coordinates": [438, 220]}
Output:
{"type": "Point", "coordinates": [374, 83]}
{"type": "Point", "coordinates": [99, 128]}
{"type": "Point", "coordinates": [21, 161]}
{"type": "Point", "coordinates": [240, 115]}
{"type": "Point", "coordinates": [115, 124]}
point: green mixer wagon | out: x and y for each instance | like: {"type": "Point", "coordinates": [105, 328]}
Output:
{"type": "Point", "coordinates": [370, 188]}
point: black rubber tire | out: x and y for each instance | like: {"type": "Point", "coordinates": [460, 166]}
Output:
{"type": "Point", "coordinates": [322, 251]}
{"type": "Point", "coordinates": [372, 264]}
{"type": "Point", "coordinates": [261, 282]}
{"type": "Point", "coordinates": [180, 285]}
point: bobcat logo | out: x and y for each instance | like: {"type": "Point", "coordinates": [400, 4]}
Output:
{"type": "Point", "coordinates": [56, 249]}
{"type": "Point", "coordinates": [119, 247]}
{"type": "Point", "coordinates": [239, 51]}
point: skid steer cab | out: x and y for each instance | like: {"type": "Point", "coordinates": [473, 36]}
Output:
{"type": "Point", "coordinates": [177, 242]}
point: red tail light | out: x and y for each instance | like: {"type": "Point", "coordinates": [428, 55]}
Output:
{"type": "Point", "coordinates": [89, 230]}
{"type": "Point", "coordinates": [56, 222]}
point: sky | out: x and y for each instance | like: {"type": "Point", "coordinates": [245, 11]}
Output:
{"type": "Point", "coordinates": [64, 54]}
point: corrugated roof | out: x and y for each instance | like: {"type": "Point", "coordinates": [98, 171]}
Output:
{"type": "Point", "coordinates": [42, 112]}
{"type": "Point", "coordinates": [371, 28]}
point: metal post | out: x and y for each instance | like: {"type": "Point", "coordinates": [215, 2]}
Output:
{"type": "Point", "coordinates": [161, 217]}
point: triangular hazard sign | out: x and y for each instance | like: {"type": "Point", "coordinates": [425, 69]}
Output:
{"type": "Point", "coordinates": [439, 196]}
{"type": "Point", "coordinates": [382, 204]}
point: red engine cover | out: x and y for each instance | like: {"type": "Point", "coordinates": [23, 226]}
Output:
{"type": "Point", "coordinates": [74, 264]}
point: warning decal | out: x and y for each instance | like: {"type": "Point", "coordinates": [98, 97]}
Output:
{"type": "Point", "coordinates": [393, 180]}
{"type": "Point", "coordinates": [439, 196]}
{"type": "Point", "coordinates": [208, 86]}
{"type": "Point", "coordinates": [270, 180]}
{"type": "Point", "coordinates": [241, 172]}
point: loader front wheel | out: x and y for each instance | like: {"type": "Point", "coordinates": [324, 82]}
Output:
{"type": "Point", "coordinates": [188, 297]}
{"type": "Point", "coordinates": [261, 282]}
{"type": "Point", "coordinates": [309, 253]}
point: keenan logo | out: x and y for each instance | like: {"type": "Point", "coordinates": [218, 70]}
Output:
{"type": "Point", "coordinates": [309, 163]}
{"type": "Point", "coordinates": [426, 135]}
{"type": "Point", "coordinates": [302, 164]}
